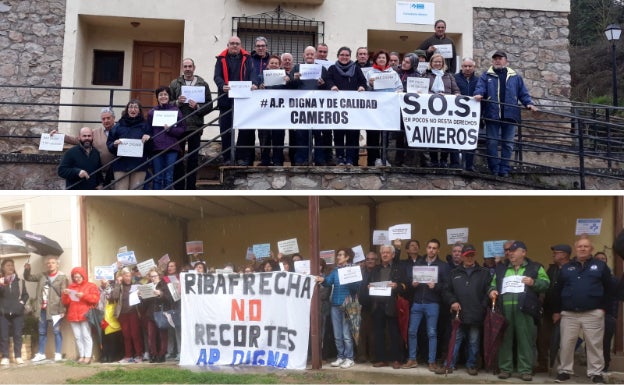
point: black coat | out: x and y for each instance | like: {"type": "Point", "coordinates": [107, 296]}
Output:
{"type": "Point", "coordinates": [13, 298]}
{"type": "Point", "coordinates": [397, 275]}
{"type": "Point", "coordinates": [471, 291]}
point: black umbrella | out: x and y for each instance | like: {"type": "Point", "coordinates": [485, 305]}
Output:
{"type": "Point", "coordinates": [42, 244]}
{"type": "Point", "coordinates": [493, 331]}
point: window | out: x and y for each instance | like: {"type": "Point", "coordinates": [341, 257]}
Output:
{"type": "Point", "coordinates": [108, 68]}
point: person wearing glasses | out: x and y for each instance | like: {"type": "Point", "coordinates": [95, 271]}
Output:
{"type": "Point", "coordinates": [161, 301]}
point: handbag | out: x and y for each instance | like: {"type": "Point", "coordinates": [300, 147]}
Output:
{"type": "Point", "coordinates": [161, 320]}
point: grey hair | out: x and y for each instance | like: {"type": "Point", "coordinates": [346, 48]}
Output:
{"type": "Point", "coordinates": [468, 58]}
{"type": "Point", "coordinates": [107, 110]}
{"type": "Point", "coordinates": [262, 38]}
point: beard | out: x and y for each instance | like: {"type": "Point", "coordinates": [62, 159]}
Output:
{"type": "Point", "coordinates": [86, 144]}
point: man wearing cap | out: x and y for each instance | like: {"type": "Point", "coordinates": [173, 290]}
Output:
{"type": "Point", "coordinates": [582, 292]}
{"type": "Point", "coordinates": [501, 120]}
{"type": "Point", "coordinates": [519, 281]}
{"type": "Point", "coordinates": [467, 291]}
{"type": "Point", "coordinates": [560, 256]}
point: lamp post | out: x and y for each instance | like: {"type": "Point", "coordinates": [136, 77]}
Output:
{"type": "Point", "coordinates": [613, 32]}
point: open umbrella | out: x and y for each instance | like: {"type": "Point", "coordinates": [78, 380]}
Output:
{"type": "Point", "coordinates": [10, 244]}
{"type": "Point", "coordinates": [494, 327]}
{"type": "Point", "coordinates": [451, 347]}
{"type": "Point", "coordinates": [42, 244]}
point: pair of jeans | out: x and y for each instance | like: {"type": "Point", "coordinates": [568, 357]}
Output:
{"type": "Point", "coordinates": [503, 133]}
{"type": "Point", "coordinates": [474, 341]}
{"type": "Point", "coordinates": [349, 139]}
{"type": "Point", "coordinates": [43, 334]}
{"type": "Point", "coordinates": [342, 333]}
{"type": "Point", "coordinates": [14, 323]}
{"type": "Point", "coordinates": [193, 137]}
{"type": "Point", "coordinates": [164, 162]}
{"type": "Point", "coordinates": [429, 311]}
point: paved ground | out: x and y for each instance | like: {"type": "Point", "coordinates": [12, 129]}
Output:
{"type": "Point", "coordinates": [58, 373]}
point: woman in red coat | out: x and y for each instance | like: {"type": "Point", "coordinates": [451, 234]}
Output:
{"type": "Point", "coordinates": [79, 297]}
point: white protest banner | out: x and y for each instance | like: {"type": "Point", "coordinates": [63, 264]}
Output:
{"type": "Point", "coordinates": [302, 266]}
{"type": "Point", "coordinates": [456, 235]}
{"type": "Point", "coordinates": [262, 250]}
{"type": "Point", "coordinates": [358, 254]}
{"type": "Point", "coordinates": [261, 320]}
{"type": "Point", "coordinates": [329, 256]}
{"type": "Point", "coordinates": [440, 121]}
{"type": "Point", "coordinates": [380, 289]}
{"type": "Point", "coordinates": [446, 50]}
{"type": "Point", "coordinates": [104, 272]}
{"type": "Point", "coordinates": [380, 237]}
{"type": "Point", "coordinates": [274, 77]}
{"type": "Point", "coordinates": [162, 117]}
{"type": "Point", "coordinates": [589, 226]}
{"type": "Point", "coordinates": [146, 291]}
{"type": "Point", "coordinates": [492, 249]}
{"type": "Point", "coordinates": [127, 258]}
{"type": "Point", "coordinates": [194, 247]}
{"type": "Point", "coordinates": [402, 231]}
{"type": "Point", "coordinates": [384, 81]}
{"type": "Point", "coordinates": [349, 274]}
{"type": "Point", "coordinates": [318, 110]}
{"type": "Point", "coordinates": [288, 246]}
{"type": "Point", "coordinates": [145, 266]}
{"type": "Point", "coordinates": [425, 274]}
{"type": "Point", "coordinates": [239, 90]}
{"type": "Point", "coordinates": [422, 68]}
{"type": "Point", "coordinates": [415, 12]}
{"type": "Point", "coordinates": [310, 71]}
{"type": "Point", "coordinates": [418, 85]}
{"type": "Point", "coordinates": [51, 143]}
{"type": "Point", "coordinates": [513, 284]}
{"type": "Point", "coordinates": [195, 93]}
{"type": "Point", "coordinates": [130, 147]}
{"type": "Point", "coordinates": [324, 63]}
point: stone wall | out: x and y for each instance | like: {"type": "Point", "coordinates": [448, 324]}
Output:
{"type": "Point", "coordinates": [536, 43]}
{"type": "Point", "coordinates": [31, 51]}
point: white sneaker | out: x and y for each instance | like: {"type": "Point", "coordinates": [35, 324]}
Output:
{"type": "Point", "coordinates": [378, 162]}
{"type": "Point", "coordinates": [39, 357]}
{"type": "Point", "coordinates": [58, 357]}
{"type": "Point", "coordinates": [347, 364]}
{"type": "Point", "coordinates": [338, 362]}
{"type": "Point", "coordinates": [19, 361]}
{"type": "Point", "coordinates": [4, 361]}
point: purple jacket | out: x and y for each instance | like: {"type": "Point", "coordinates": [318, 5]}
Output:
{"type": "Point", "coordinates": [166, 140]}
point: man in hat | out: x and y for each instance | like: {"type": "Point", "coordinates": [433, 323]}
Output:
{"type": "Point", "coordinates": [519, 281]}
{"type": "Point", "coordinates": [581, 293]}
{"type": "Point", "coordinates": [467, 293]}
{"type": "Point", "coordinates": [501, 120]}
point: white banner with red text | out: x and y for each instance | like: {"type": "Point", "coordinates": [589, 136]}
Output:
{"type": "Point", "coordinates": [257, 319]}
{"type": "Point", "coordinates": [440, 121]}
{"type": "Point", "coordinates": [318, 110]}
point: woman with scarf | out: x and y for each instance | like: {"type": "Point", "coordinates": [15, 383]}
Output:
{"type": "Point", "coordinates": [13, 297]}
{"type": "Point", "coordinates": [132, 125]}
{"type": "Point", "coordinates": [345, 75]}
{"type": "Point", "coordinates": [80, 296]}
{"type": "Point", "coordinates": [441, 82]}
{"type": "Point", "coordinates": [381, 68]}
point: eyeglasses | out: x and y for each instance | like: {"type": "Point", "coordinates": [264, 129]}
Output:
{"type": "Point", "coordinates": [260, 45]}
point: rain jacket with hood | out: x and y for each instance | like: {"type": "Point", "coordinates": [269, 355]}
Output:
{"type": "Point", "coordinates": [76, 310]}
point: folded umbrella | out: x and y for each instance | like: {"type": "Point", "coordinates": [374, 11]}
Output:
{"type": "Point", "coordinates": [451, 346]}
{"type": "Point", "coordinates": [494, 327]}
{"type": "Point", "coordinates": [42, 244]}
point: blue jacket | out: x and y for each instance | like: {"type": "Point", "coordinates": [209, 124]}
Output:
{"type": "Point", "coordinates": [466, 87]}
{"type": "Point", "coordinates": [515, 91]}
{"type": "Point", "coordinates": [583, 287]}
{"type": "Point", "coordinates": [340, 292]}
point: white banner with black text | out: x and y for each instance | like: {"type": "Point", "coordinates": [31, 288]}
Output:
{"type": "Point", "coordinates": [257, 319]}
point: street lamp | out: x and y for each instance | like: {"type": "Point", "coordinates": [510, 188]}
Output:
{"type": "Point", "coordinates": [613, 32]}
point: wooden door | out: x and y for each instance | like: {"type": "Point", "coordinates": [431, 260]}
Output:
{"type": "Point", "coordinates": [153, 65]}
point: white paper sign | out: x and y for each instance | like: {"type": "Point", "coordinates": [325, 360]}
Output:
{"type": "Point", "coordinates": [384, 81]}
{"type": "Point", "coordinates": [513, 284]}
{"type": "Point", "coordinates": [56, 318]}
{"type": "Point", "coordinates": [415, 12]}
{"type": "Point", "coordinates": [130, 147]}
{"type": "Point", "coordinates": [425, 274]}
{"type": "Point", "coordinates": [402, 231]}
{"type": "Point", "coordinates": [164, 260]}
{"type": "Point", "coordinates": [324, 63]}
{"type": "Point", "coordinates": [365, 71]}
{"type": "Point", "coordinates": [133, 298]}
{"type": "Point", "coordinates": [196, 93]}
{"type": "Point", "coordinates": [349, 274]}
{"type": "Point", "coordinates": [127, 258]}
{"type": "Point", "coordinates": [122, 249]}
{"type": "Point", "coordinates": [358, 254]}
{"type": "Point", "coordinates": [422, 68]}
{"type": "Point", "coordinates": [104, 272]}
{"type": "Point", "coordinates": [589, 226]}
{"type": "Point", "coordinates": [262, 250]}
{"type": "Point", "coordinates": [418, 85]}
{"type": "Point", "coordinates": [240, 90]}
{"type": "Point", "coordinates": [145, 266]}
{"type": "Point", "coordinates": [310, 71]}
{"type": "Point", "coordinates": [446, 50]}
{"type": "Point", "coordinates": [456, 235]}
{"type": "Point", "coordinates": [194, 247]}
{"type": "Point", "coordinates": [302, 266]}
{"type": "Point", "coordinates": [381, 237]}
{"type": "Point", "coordinates": [174, 291]}
{"type": "Point", "coordinates": [51, 143]}
{"type": "Point", "coordinates": [288, 246]}
{"type": "Point", "coordinates": [146, 291]}
{"type": "Point", "coordinates": [162, 117]}
{"type": "Point", "coordinates": [380, 289]}
{"type": "Point", "coordinates": [274, 77]}
{"type": "Point", "coordinates": [493, 249]}
{"type": "Point", "coordinates": [73, 296]}
{"type": "Point", "coordinates": [329, 256]}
